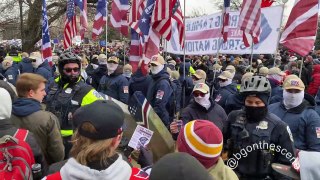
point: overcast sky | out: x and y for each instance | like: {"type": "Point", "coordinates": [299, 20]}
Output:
{"type": "Point", "coordinates": [209, 8]}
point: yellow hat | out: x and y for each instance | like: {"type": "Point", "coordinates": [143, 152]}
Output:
{"type": "Point", "coordinates": [202, 87]}
{"type": "Point", "coordinates": [276, 70]}
{"type": "Point", "coordinates": [231, 68]}
{"type": "Point", "coordinates": [113, 59]}
{"type": "Point", "coordinates": [225, 75]}
{"type": "Point", "coordinates": [157, 60]}
{"type": "Point", "coordinates": [263, 70]}
{"type": "Point", "coordinates": [293, 82]}
{"type": "Point", "coordinates": [200, 74]}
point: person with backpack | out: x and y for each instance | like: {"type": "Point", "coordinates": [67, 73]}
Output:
{"type": "Point", "coordinates": [27, 114]}
{"type": "Point", "coordinates": [20, 139]}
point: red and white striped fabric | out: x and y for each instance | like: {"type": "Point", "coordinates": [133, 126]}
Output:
{"type": "Point", "coordinates": [178, 16]}
{"type": "Point", "coordinates": [225, 25]}
{"type": "Point", "coordinates": [100, 18]}
{"type": "Point", "coordinates": [300, 31]}
{"type": "Point", "coordinates": [70, 31]}
{"type": "Point", "coordinates": [161, 17]}
{"type": "Point", "coordinates": [250, 20]}
{"type": "Point", "coordinates": [118, 18]}
{"type": "Point", "coordinates": [152, 44]}
{"type": "Point", "coordinates": [83, 19]}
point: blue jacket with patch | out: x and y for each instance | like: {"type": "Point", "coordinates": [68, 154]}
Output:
{"type": "Point", "coordinates": [304, 123]}
{"type": "Point", "coordinates": [115, 85]}
{"type": "Point", "coordinates": [224, 92]}
{"type": "Point", "coordinates": [44, 70]}
{"type": "Point", "coordinates": [11, 74]}
{"type": "Point", "coordinates": [25, 66]}
{"type": "Point", "coordinates": [159, 94]}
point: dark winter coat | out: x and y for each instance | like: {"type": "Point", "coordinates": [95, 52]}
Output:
{"type": "Point", "coordinates": [25, 66]}
{"type": "Point", "coordinates": [44, 70]}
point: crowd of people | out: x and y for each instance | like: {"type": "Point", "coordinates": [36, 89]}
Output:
{"type": "Point", "coordinates": [232, 116]}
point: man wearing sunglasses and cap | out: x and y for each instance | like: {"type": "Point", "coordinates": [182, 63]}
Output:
{"type": "Point", "coordinates": [68, 93]}
{"type": "Point", "coordinates": [114, 84]}
{"type": "Point", "coordinates": [203, 107]}
{"type": "Point", "coordinates": [160, 90]}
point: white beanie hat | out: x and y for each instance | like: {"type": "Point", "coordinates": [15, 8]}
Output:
{"type": "Point", "coordinates": [5, 104]}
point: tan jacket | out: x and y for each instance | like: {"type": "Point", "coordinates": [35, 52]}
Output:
{"type": "Point", "coordinates": [222, 172]}
{"type": "Point", "coordinates": [45, 126]}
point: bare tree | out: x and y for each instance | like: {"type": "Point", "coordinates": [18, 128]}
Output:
{"type": "Point", "coordinates": [198, 12]}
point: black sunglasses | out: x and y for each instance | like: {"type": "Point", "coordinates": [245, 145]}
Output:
{"type": "Point", "coordinates": [113, 62]}
{"type": "Point", "coordinates": [33, 60]}
{"type": "Point", "coordinates": [68, 70]}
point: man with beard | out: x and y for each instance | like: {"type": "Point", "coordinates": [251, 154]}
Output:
{"type": "Point", "coordinates": [257, 138]}
{"type": "Point", "coordinates": [114, 84]}
{"type": "Point", "coordinates": [68, 93]}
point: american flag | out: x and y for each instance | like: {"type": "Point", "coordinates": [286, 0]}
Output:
{"type": "Point", "coordinates": [46, 44]}
{"type": "Point", "coordinates": [99, 19]}
{"type": "Point", "coordinates": [161, 17]}
{"type": "Point", "coordinates": [118, 18]}
{"type": "Point", "coordinates": [300, 31]}
{"type": "Point", "coordinates": [70, 28]}
{"type": "Point", "coordinates": [250, 20]}
{"type": "Point", "coordinates": [82, 4]}
{"type": "Point", "coordinates": [225, 25]}
{"type": "Point", "coordinates": [178, 16]}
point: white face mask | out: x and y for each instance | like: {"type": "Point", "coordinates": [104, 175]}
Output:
{"type": "Point", "coordinates": [292, 100]}
{"type": "Point", "coordinates": [112, 66]}
{"type": "Point", "coordinates": [198, 81]}
{"type": "Point", "coordinates": [226, 83]}
{"type": "Point", "coordinates": [156, 69]}
{"type": "Point", "coordinates": [37, 63]}
{"type": "Point", "coordinates": [203, 101]}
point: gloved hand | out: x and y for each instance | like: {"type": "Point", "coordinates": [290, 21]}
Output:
{"type": "Point", "coordinates": [145, 157]}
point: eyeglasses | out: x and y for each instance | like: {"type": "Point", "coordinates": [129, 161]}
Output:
{"type": "Point", "coordinates": [68, 70]}
{"type": "Point", "coordinates": [197, 94]}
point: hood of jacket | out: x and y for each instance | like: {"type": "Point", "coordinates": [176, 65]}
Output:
{"type": "Point", "coordinates": [25, 106]}
{"type": "Point", "coordinates": [119, 170]}
{"type": "Point", "coordinates": [45, 65]}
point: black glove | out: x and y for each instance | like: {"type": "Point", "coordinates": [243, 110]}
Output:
{"type": "Point", "coordinates": [145, 157]}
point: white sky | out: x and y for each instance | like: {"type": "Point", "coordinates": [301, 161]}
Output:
{"type": "Point", "coordinates": [209, 8]}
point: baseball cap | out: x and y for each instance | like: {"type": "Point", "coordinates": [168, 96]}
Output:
{"type": "Point", "coordinates": [35, 55]}
{"type": "Point", "coordinates": [178, 166]}
{"type": "Point", "coordinates": [102, 59]}
{"type": "Point", "coordinates": [202, 87]}
{"type": "Point", "coordinates": [200, 74]}
{"type": "Point", "coordinates": [203, 140]}
{"type": "Point", "coordinates": [217, 66]}
{"type": "Point", "coordinates": [106, 116]}
{"type": "Point", "coordinates": [225, 75]}
{"type": "Point", "coordinates": [157, 60]}
{"type": "Point", "coordinates": [113, 59]}
{"type": "Point", "coordinates": [293, 82]}
{"type": "Point", "coordinates": [263, 70]}
{"type": "Point", "coordinates": [276, 70]}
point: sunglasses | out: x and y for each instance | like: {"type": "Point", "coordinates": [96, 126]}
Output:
{"type": "Point", "coordinates": [33, 60]}
{"type": "Point", "coordinates": [197, 94]}
{"type": "Point", "coordinates": [222, 80]}
{"type": "Point", "coordinates": [113, 62]}
{"type": "Point", "coordinates": [195, 78]}
{"type": "Point", "coordinates": [68, 70]}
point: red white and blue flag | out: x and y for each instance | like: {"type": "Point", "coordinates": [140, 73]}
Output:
{"type": "Point", "coordinates": [178, 16]}
{"type": "Point", "coordinates": [118, 18]}
{"type": "Point", "coordinates": [70, 28]}
{"type": "Point", "coordinates": [82, 4]}
{"type": "Point", "coordinates": [161, 17]}
{"type": "Point", "coordinates": [225, 25]}
{"type": "Point", "coordinates": [99, 19]}
{"type": "Point", "coordinates": [299, 34]}
{"type": "Point", "coordinates": [250, 20]}
{"type": "Point", "coordinates": [46, 44]}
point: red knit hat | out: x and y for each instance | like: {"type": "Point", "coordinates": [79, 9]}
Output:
{"type": "Point", "coordinates": [203, 140]}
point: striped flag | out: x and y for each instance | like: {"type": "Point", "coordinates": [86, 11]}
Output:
{"type": "Point", "coordinates": [250, 20]}
{"type": "Point", "coordinates": [99, 19]}
{"type": "Point", "coordinates": [161, 17]}
{"type": "Point", "coordinates": [118, 18]}
{"type": "Point", "coordinates": [70, 28]}
{"type": "Point", "coordinates": [82, 4]}
{"type": "Point", "coordinates": [225, 25]}
{"type": "Point", "coordinates": [46, 44]}
{"type": "Point", "coordinates": [300, 31]}
{"type": "Point", "coordinates": [178, 16]}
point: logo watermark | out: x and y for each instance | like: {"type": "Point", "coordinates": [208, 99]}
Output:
{"type": "Point", "coordinates": [233, 161]}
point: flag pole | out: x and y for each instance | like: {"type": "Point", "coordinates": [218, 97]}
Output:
{"type": "Point", "coordinates": [251, 54]}
{"type": "Point", "coordinates": [301, 66]}
{"type": "Point", "coordinates": [184, 55]}
{"type": "Point", "coordinates": [106, 27]}
{"type": "Point", "coordinates": [275, 54]}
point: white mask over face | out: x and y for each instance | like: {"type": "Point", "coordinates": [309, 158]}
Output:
{"type": "Point", "coordinates": [204, 101]}
{"type": "Point", "coordinates": [226, 83]}
{"type": "Point", "coordinates": [111, 67]}
{"type": "Point", "coordinates": [156, 69]}
{"type": "Point", "coordinates": [37, 63]}
{"type": "Point", "coordinates": [292, 100]}
{"type": "Point", "coordinates": [198, 81]}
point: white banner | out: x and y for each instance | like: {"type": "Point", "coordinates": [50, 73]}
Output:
{"type": "Point", "coordinates": [204, 33]}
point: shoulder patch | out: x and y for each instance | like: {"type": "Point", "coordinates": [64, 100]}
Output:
{"type": "Point", "coordinates": [318, 132]}
{"type": "Point", "coordinates": [125, 89]}
{"type": "Point", "coordinates": [10, 77]}
{"type": "Point", "coordinates": [160, 94]}
{"type": "Point", "coordinates": [218, 98]}
{"type": "Point", "coordinates": [97, 94]}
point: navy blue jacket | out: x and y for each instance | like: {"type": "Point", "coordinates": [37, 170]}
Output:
{"type": "Point", "coordinates": [223, 93]}
{"type": "Point", "coordinates": [25, 66]}
{"type": "Point", "coordinates": [44, 70]}
{"type": "Point", "coordinates": [139, 82]}
{"type": "Point", "coordinates": [11, 74]}
{"type": "Point", "coordinates": [25, 106]}
{"type": "Point", "coordinates": [276, 92]}
{"type": "Point", "coordinates": [97, 75]}
{"type": "Point", "coordinates": [187, 85]}
{"type": "Point", "coordinates": [234, 102]}
{"type": "Point", "coordinates": [304, 124]}
{"type": "Point", "coordinates": [159, 94]}
{"type": "Point", "coordinates": [115, 85]}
